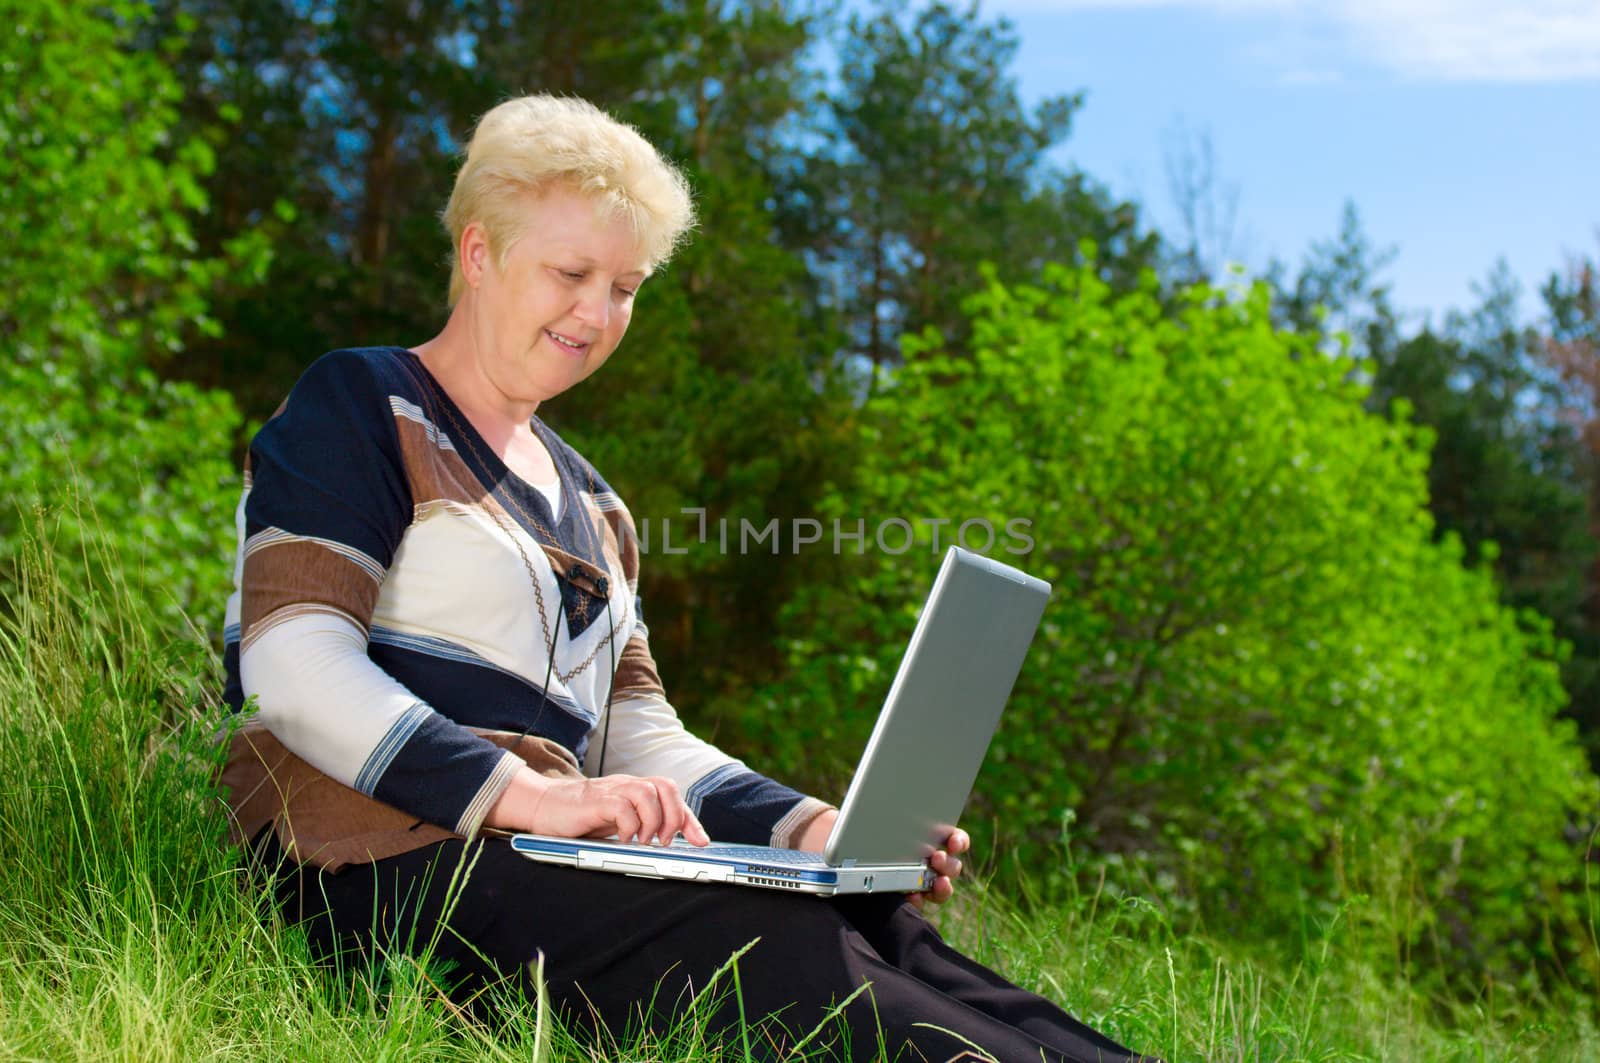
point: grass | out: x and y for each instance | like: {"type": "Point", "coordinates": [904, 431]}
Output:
{"type": "Point", "coordinates": [127, 930]}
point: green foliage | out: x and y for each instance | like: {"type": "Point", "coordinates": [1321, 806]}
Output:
{"type": "Point", "coordinates": [1316, 998]}
{"type": "Point", "coordinates": [105, 739]}
{"type": "Point", "coordinates": [934, 166]}
{"type": "Point", "coordinates": [340, 116]}
{"type": "Point", "coordinates": [101, 283]}
{"type": "Point", "coordinates": [1508, 477]}
{"type": "Point", "coordinates": [1570, 347]}
{"type": "Point", "coordinates": [1572, 300]}
{"type": "Point", "coordinates": [128, 929]}
{"type": "Point", "coordinates": [1259, 673]}
{"type": "Point", "coordinates": [1339, 290]}
{"type": "Point", "coordinates": [1509, 474]}
{"type": "Point", "coordinates": [353, 112]}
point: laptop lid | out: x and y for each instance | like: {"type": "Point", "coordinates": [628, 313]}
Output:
{"type": "Point", "coordinates": [942, 709]}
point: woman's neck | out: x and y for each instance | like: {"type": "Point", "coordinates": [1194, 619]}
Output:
{"type": "Point", "coordinates": [451, 358]}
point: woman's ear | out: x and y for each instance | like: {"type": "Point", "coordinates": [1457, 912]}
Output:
{"type": "Point", "coordinates": [473, 253]}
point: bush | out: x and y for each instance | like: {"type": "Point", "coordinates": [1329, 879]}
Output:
{"type": "Point", "coordinates": [102, 284]}
{"type": "Point", "coordinates": [1258, 681]}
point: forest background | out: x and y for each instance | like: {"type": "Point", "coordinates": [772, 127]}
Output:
{"type": "Point", "coordinates": [1324, 648]}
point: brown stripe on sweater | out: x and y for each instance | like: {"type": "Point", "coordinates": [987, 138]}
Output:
{"type": "Point", "coordinates": [298, 571]}
{"type": "Point", "coordinates": [437, 475]}
{"type": "Point", "coordinates": [636, 671]}
{"type": "Point", "coordinates": [609, 543]}
{"type": "Point", "coordinates": [624, 539]}
{"type": "Point", "coordinates": [433, 473]}
{"type": "Point", "coordinates": [291, 612]}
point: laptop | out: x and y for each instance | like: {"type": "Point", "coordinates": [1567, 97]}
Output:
{"type": "Point", "coordinates": [918, 768]}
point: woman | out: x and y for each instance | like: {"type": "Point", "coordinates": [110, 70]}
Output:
{"type": "Point", "coordinates": [436, 616]}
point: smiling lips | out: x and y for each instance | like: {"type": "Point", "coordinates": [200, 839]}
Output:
{"type": "Point", "coordinates": [566, 343]}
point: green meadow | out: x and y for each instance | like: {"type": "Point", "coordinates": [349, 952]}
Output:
{"type": "Point", "coordinates": [130, 931]}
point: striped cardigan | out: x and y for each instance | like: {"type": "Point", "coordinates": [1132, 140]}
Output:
{"type": "Point", "coordinates": [386, 626]}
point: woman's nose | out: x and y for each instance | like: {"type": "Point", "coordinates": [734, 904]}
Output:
{"type": "Point", "coordinates": [593, 307]}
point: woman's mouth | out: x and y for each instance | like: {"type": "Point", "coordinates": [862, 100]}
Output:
{"type": "Point", "coordinates": [567, 343]}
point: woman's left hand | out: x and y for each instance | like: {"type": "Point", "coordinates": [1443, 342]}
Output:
{"type": "Point", "coordinates": [946, 862]}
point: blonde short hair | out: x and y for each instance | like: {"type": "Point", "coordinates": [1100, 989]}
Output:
{"type": "Point", "coordinates": [528, 144]}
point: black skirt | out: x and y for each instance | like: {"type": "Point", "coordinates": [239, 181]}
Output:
{"type": "Point", "coordinates": [621, 952]}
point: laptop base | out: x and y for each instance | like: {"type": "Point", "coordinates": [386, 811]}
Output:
{"type": "Point", "coordinates": [734, 864]}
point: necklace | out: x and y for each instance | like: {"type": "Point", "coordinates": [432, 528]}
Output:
{"type": "Point", "coordinates": [602, 584]}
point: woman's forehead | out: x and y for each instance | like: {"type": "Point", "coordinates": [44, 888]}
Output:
{"type": "Point", "coordinates": [586, 229]}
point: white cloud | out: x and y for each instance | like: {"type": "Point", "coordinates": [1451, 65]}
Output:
{"type": "Point", "coordinates": [1445, 40]}
{"type": "Point", "coordinates": [1538, 40]}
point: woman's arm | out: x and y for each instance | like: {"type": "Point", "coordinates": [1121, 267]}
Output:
{"type": "Point", "coordinates": [328, 500]}
{"type": "Point", "coordinates": [325, 506]}
{"type": "Point", "coordinates": [735, 803]}
{"type": "Point", "coordinates": [646, 736]}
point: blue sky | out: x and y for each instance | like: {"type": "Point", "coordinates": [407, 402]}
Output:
{"type": "Point", "coordinates": [1463, 130]}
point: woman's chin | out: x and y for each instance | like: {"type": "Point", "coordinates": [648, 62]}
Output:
{"type": "Point", "coordinates": [551, 385]}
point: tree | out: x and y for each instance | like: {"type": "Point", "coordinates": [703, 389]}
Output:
{"type": "Point", "coordinates": [1208, 208]}
{"type": "Point", "coordinates": [937, 167]}
{"type": "Point", "coordinates": [1570, 344]}
{"type": "Point", "coordinates": [1339, 290]}
{"type": "Point", "coordinates": [103, 283]}
{"type": "Point", "coordinates": [1505, 474]}
{"type": "Point", "coordinates": [731, 407]}
{"type": "Point", "coordinates": [346, 109]}
{"type": "Point", "coordinates": [1258, 670]}
{"type": "Point", "coordinates": [356, 112]}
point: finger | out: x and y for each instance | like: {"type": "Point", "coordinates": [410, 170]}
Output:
{"type": "Point", "coordinates": [917, 900]}
{"type": "Point", "coordinates": [672, 814]}
{"type": "Point", "coordinates": [958, 842]}
{"type": "Point", "coordinates": [941, 891]}
{"type": "Point", "coordinates": [693, 832]}
{"type": "Point", "coordinates": [677, 816]}
{"type": "Point", "coordinates": [673, 810]}
{"type": "Point", "coordinates": [626, 818]}
{"type": "Point", "coordinates": [647, 800]}
{"type": "Point", "coordinates": [667, 789]}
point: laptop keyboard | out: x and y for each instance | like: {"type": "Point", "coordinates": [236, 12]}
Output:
{"type": "Point", "coordinates": [763, 853]}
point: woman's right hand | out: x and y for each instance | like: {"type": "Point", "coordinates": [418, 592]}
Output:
{"type": "Point", "coordinates": [632, 807]}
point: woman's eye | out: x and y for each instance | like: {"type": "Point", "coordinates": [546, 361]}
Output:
{"type": "Point", "coordinates": [626, 293]}
{"type": "Point", "coordinates": [573, 274]}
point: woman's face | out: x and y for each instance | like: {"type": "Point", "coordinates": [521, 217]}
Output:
{"type": "Point", "coordinates": [560, 305]}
